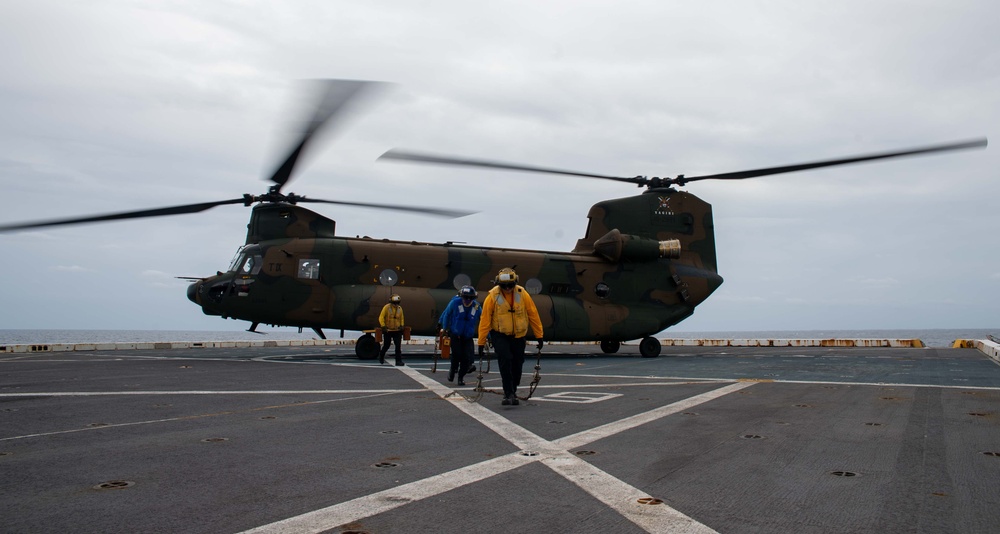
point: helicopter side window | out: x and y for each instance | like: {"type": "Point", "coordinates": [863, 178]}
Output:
{"type": "Point", "coordinates": [533, 286]}
{"type": "Point", "coordinates": [309, 269]}
{"type": "Point", "coordinates": [460, 280]}
{"type": "Point", "coordinates": [388, 277]}
{"type": "Point", "coordinates": [602, 290]}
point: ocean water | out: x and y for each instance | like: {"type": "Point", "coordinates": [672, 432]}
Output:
{"type": "Point", "coordinates": [930, 338]}
{"type": "Point", "coordinates": [21, 337]}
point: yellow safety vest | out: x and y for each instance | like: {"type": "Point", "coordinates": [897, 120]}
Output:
{"type": "Point", "coordinates": [391, 317]}
{"type": "Point", "coordinates": [510, 318]}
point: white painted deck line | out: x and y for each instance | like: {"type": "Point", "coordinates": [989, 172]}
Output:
{"type": "Point", "coordinates": [615, 493]}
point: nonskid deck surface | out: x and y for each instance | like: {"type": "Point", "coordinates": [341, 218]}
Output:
{"type": "Point", "coordinates": [309, 439]}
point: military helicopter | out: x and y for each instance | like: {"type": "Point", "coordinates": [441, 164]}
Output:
{"type": "Point", "coordinates": [643, 264]}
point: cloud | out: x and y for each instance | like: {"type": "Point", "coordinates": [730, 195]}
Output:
{"type": "Point", "coordinates": [112, 108]}
{"type": "Point", "coordinates": [876, 282]}
{"type": "Point", "coordinates": [748, 299]}
{"type": "Point", "coordinates": [71, 269]}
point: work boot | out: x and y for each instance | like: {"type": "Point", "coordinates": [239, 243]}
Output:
{"type": "Point", "coordinates": [514, 401]}
{"type": "Point", "coordinates": [451, 376]}
{"type": "Point", "coordinates": [505, 401]}
{"type": "Point", "coordinates": [461, 382]}
{"type": "Point", "coordinates": [381, 359]}
{"type": "Point", "coordinates": [399, 363]}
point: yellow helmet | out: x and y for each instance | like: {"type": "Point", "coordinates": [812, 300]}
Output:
{"type": "Point", "coordinates": [506, 278]}
{"type": "Point", "coordinates": [394, 299]}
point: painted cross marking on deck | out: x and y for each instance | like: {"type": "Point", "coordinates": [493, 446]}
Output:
{"type": "Point", "coordinates": [556, 455]}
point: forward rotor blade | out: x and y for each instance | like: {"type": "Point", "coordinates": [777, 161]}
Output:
{"type": "Point", "coordinates": [978, 143]}
{"type": "Point", "coordinates": [334, 96]}
{"type": "Point", "coordinates": [437, 212]}
{"type": "Point", "coordinates": [157, 212]}
{"type": "Point", "coordinates": [447, 160]}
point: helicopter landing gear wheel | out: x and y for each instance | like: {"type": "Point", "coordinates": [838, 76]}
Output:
{"type": "Point", "coordinates": [609, 346]}
{"type": "Point", "coordinates": [649, 347]}
{"type": "Point", "coordinates": [366, 347]}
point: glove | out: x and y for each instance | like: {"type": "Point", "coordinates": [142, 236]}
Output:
{"type": "Point", "coordinates": [482, 349]}
{"type": "Point", "coordinates": [385, 329]}
{"type": "Point", "coordinates": [539, 344]}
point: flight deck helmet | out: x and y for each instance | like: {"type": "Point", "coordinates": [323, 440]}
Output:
{"type": "Point", "coordinates": [468, 293]}
{"type": "Point", "coordinates": [395, 299]}
{"type": "Point", "coordinates": [507, 278]}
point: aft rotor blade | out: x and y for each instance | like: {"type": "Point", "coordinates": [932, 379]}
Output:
{"type": "Point", "coordinates": [334, 96]}
{"type": "Point", "coordinates": [157, 212]}
{"type": "Point", "coordinates": [977, 143]}
{"type": "Point", "coordinates": [447, 160]}
{"type": "Point", "coordinates": [437, 212]}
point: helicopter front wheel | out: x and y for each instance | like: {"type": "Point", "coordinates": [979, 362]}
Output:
{"type": "Point", "coordinates": [610, 346]}
{"type": "Point", "coordinates": [366, 347]}
{"type": "Point", "coordinates": [649, 347]}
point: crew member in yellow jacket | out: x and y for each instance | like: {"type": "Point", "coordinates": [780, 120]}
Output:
{"type": "Point", "coordinates": [391, 320]}
{"type": "Point", "coordinates": [508, 312]}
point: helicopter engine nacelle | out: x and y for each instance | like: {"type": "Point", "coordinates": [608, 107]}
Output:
{"type": "Point", "coordinates": [616, 246]}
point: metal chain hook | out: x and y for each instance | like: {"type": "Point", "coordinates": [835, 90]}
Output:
{"type": "Point", "coordinates": [479, 390]}
{"type": "Point", "coordinates": [536, 378]}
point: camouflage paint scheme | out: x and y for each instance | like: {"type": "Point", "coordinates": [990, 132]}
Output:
{"type": "Point", "coordinates": [294, 271]}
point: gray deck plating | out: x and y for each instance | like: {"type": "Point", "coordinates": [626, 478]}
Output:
{"type": "Point", "coordinates": [308, 439]}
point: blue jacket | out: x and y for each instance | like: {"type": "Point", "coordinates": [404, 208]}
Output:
{"type": "Point", "coordinates": [461, 320]}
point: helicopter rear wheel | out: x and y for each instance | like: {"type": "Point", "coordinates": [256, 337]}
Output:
{"type": "Point", "coordinates": [610, 346]}
{"type": "Point", "coordinates": [366, 347]}
{"type": "Point", "coordinates": [649, 347]}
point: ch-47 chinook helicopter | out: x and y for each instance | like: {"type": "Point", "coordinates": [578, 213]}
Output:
{"type": "Point", "coordinates": [643, 264]}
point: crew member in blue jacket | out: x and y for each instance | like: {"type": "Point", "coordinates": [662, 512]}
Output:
{"type": "Point", "coordinates": [460, 321]}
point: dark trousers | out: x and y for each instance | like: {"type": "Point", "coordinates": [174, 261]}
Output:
{"type": "Point", "coordinates": [510, 360]}
{"type": "Point", "coordinates": [461, 355]}
{"type": "Point", "coordinates": [394, 336]}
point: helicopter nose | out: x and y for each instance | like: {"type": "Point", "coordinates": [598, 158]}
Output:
{"type": "Point", "coordinates": [193, 291]}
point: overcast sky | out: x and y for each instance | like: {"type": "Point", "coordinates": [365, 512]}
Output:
{"type": "Point", "coordinates": [121, 105]}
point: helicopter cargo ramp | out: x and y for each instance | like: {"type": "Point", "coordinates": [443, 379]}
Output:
{"type": "Point", "coordinates": [310, 439]}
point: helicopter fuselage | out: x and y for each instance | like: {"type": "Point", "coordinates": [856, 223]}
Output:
{"type": "Point", "coordinates": [616, 284]}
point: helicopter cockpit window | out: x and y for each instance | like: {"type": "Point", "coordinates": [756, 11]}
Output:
{"type": "Point", "coordinates": [237, 259]}
{"type": "Point", "coordinates": [249, 265]}
{"type": "Point", "coordinates": [309, 269]}
{"type": "Point", "coordinates": [247, 261]}
{"type": "Point", "coordinates": [602, 290]}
